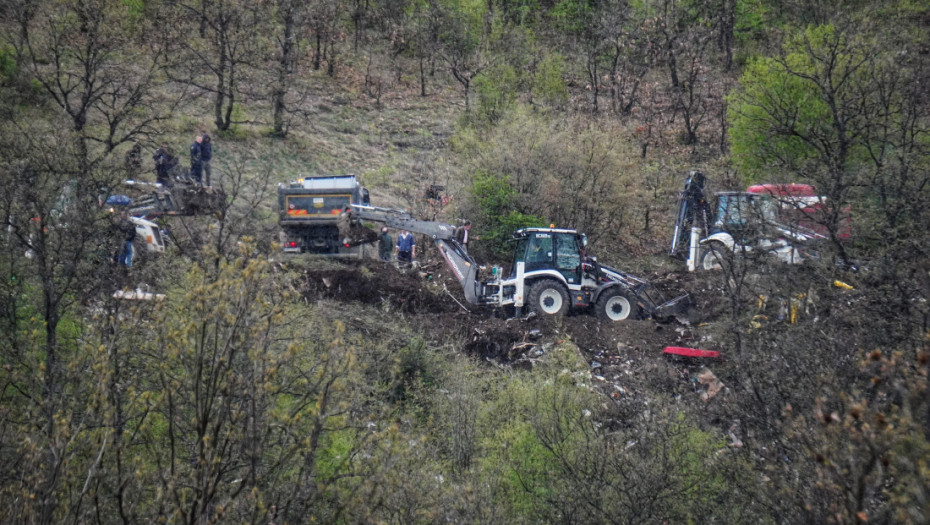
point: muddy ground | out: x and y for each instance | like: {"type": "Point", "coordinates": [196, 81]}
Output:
{"type": "Point", "coordinates": [620, 354]}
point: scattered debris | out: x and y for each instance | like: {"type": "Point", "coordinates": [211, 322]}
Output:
{"type": "Point", "coordinates": [733, 434]}
{"type": "Point", "coordinates": [714, 385]}
{"type": "Point", "coordinates": [137, 295]}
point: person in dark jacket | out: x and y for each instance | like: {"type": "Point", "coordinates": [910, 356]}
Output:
{"type": "Point", "coordinates": [206, 153]}
{"type": "Point", "coordinates": [164, 162]}
{"type": "Point", "coordinates": [463, 235]}
{"type": "Point", "coordinates": [128, 230]}
{"type": "Point", "coordinates": [134, 161]}
{"type": "Point", "coordinates": [197, 161]}
{"type": "Point", "coordinates": [385, 245]}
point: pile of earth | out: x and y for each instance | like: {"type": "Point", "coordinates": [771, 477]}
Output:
{"type": "Point", "coordinates": [374, 282]}
{"type": "Point", "coordinates": [485, 332]}
{"type": "Point", "coordinates": [625, 358]}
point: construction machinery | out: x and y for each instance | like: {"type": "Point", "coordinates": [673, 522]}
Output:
{"type": "Point", "coordinates": [148, 234]}
{"type": "Point", "coordinates": [309, 213]}
{"type": "Point", "coordinates": [185, 199]}
{"type": "Point", "coordinates": [549, 272]}
{"type": "Point", "coordinates": [710, 232]}
{"type": "Point", "coordinates": [147, 201]}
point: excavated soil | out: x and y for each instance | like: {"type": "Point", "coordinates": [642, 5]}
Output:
{"type": "Point", "coordinates": [375, 283]}
{"type": "Point", "coordinates": [435, 301]}
{"type": "Point", "coordinates": [626, 358]}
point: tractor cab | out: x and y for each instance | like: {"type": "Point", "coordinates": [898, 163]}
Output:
{"type": "Point", "coordinates": [549, 249]}
{"type": "Point", "coordinates": [745, 216]}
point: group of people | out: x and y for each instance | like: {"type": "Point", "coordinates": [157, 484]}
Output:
{"type": "Point", "coordinates": [201, 155]}
{"type": "Point", "coordinates": [406, 247]}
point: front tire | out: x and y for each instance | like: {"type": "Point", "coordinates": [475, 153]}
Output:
{"type": "Point", "coordinates": [613, 305]}
{"type": "Point", "coordinates": [548, 298]}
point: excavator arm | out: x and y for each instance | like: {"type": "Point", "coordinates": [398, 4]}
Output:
{"type": "Point", "coordinates": [180, 199]}
{"type": "Point", "coordinates": [399, 220]}
{"type": "Point", "coordinates": [442, 234]}
{"type": "Point", "coordinates": [692, 211]}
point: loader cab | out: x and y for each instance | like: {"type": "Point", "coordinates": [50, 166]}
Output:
{"type": "Point", "coordinates": [549, 249]}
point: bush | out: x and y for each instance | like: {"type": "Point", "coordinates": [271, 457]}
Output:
{"type": "Point", "coordinates": [549, 86]}
{"type": "Point", "coordinates": [496, 92]}
{"type": "Point", "coordinates": [497, 213]}
{"type": "Point", "coordinates": [8, 66]}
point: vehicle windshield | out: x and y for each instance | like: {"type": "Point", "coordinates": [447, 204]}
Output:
{"type": "Point", "coordinates": [737, 211]}
{"type": "Point", "coordinates": [519, 255]}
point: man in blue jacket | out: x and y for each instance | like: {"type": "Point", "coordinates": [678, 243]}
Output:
{"type": "Point", "coordinates": [406, 247]}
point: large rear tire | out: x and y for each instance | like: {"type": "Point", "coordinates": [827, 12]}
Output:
{"type": "Point", "coordinates": [716, 256]}
{"type": "Point", "coordinates": [614, 305]}
{"type": "Point", "coordinates": [548, 298]}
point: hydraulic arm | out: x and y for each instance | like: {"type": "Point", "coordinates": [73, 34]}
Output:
{"type": "Point", "coordinates": [443, 235]}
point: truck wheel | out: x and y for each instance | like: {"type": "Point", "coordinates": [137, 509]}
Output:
{"type": "Point", "coordinates": [716, 256]}
{"type": "Point", "coordinates": [548, 297]}
{"type": "Point", "coordinates": [613, 305]}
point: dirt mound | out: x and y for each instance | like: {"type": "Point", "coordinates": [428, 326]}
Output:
{"type": "Point", "coordinates": [502, 340]}
{"type": "Point", "coordinates": [373, 282]}
{"type": "Point", "coordinates": [439, 308]}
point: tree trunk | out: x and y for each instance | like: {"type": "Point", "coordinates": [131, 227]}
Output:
{"type": "Point", "coordinates": [727, 27]}
{"type": "Point", "coordinates": [220, 89]}
{"type": "Point", "coordinates": [422, 76]}
{"type": "Point", "coordinates": [285, 70]}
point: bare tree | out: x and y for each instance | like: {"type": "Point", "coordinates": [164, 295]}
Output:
{"type": "Point", "coordinates": [230, 50]}
{"type": "Point", "coordinates": [98, 72]}
{"type": "Point", "coordinates": [465, 53]}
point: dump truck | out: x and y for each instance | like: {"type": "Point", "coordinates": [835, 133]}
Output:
{"type": "Point", "coordinates": [549, 273]}
{"type": "Point", "coordinates": [309, 214]}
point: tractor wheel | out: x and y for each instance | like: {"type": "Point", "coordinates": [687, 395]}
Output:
{"type": "Point", "coordinates": [613, 305]}
{"type": "Point", "coordinates": [548, 298]}
{"type": "Point", "coordinates": [716, 256]}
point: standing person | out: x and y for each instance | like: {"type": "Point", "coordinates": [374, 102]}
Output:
{"type": "Point", "coordinates": [134, 161]}
{"type": "Point", "coordinates": [385, 243]}
{"type": "Point", "coordinates": [206, 153]}
{"type": "Point", "coordinates": [164, 161]}
{"type": "Point", "coordinates": [406, 247]}
{"type": "Point", "coordinates": [197, 160]}
{"type": "Point", "coordinates": [128, 229]}
{"type": "Point", "coordinates": [463, 235]}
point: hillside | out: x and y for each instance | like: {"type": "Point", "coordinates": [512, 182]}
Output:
{"type": "Point", "coordinates": [264, 387]}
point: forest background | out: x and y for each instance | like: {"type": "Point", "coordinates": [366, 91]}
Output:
{"type": "Point", "coordinates": [237, 400]}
